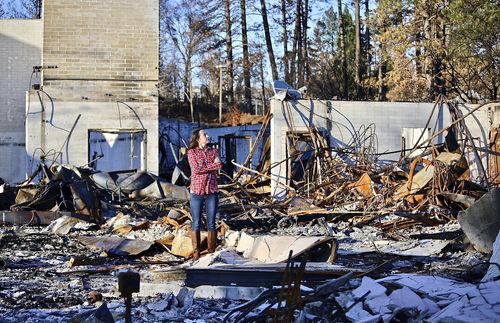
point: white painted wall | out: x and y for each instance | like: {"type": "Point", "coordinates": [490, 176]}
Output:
{"type": "Point", "coordinates": [115, 150]}
{"type": "Point", "coordinates": [47, 130]}
{"type": "Point", "coordinates": [343, 119]}
{"type": "Point", "coordinates": [20, 50]}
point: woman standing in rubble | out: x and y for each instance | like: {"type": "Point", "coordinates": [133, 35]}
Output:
{"type": "Point", "coordinates": [204, 162]}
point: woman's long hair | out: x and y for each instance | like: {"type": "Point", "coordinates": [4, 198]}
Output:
{"type": "Point", "coordinates": [195, 135]}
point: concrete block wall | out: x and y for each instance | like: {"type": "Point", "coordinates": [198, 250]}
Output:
{"type": "Point", "coordinates": [106, 53]}
{"type": "Point", "coordinates": [20, 50]}
{"type": "Point", "coordinates": [342, 120]}
{"type": "Point", "coordinates": [104, 50]}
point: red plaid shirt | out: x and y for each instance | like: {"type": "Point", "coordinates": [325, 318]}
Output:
{"type": "Point", "coordinates": [203, 170]}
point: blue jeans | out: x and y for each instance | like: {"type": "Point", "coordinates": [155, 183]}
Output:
{"type": "Point", "coordinates": [196, 202]}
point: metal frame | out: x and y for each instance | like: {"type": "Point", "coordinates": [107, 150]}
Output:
{"type": "Point", "coordinates": [144, 165]}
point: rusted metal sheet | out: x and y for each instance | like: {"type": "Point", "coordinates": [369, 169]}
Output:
{"type": "Point", "coordinates": [364, 185]}
{"type": "Point", "coordinates": [26, 195]}
{"type": "Point", "coordinates": [182, 245]}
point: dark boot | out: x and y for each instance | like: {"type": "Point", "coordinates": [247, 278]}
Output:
{"type": "Point", "coordinates": [212, 239]}
{"type": "Point", "coordinates": [195, 238]}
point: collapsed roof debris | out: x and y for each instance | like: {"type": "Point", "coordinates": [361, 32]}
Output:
{"type": "Point", "coordinates": [352, 240]}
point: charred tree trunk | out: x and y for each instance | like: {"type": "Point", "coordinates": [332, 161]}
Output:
{"type": "Point", "coordinates": [428, 35]}
{"type": "Point", "coordinates": [494, 88]}
{"type": "Point", "coordinates": [382, 70]}
{"type": "Point", "coordinates": [263, 85]}
{"type": "Point", "coordinates": [246, 60]}
{"type": "Point", "coordinates": [269, 43]}
{"type": "Point", "coordinates": [359, 90]}
{"type": "Point", "coordinates": [285, 41]}
{"type": "Point", "coordinates": [418, 51]}
{"type": "Point", "coordinates": [434, 33]}
{"type": "Point", "coordinates": [305, 47]}
{"type": "Point", "coordinates": [345, 81]}
{"type": "Point", "coordinates": [186, 79]}
{"type": "Point", "coordinates": [297, 67]}
{"type": "Point", "coordinates": [368, 51]}
{"type": "Point", "coordinates": [229, 52]}
{"type": "Point", "coordinates": [439, 62]}
{"type": "Point", "coordinates": [189, 88]}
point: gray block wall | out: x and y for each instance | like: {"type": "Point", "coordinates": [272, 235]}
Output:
{"type": "Point", "coordinates": [104, 50]}
{"type": "Point", "coordinates": [20, 50]}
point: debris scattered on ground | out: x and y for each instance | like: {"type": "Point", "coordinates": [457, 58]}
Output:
{"type": "Point", "coordinates": [352, 241]}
